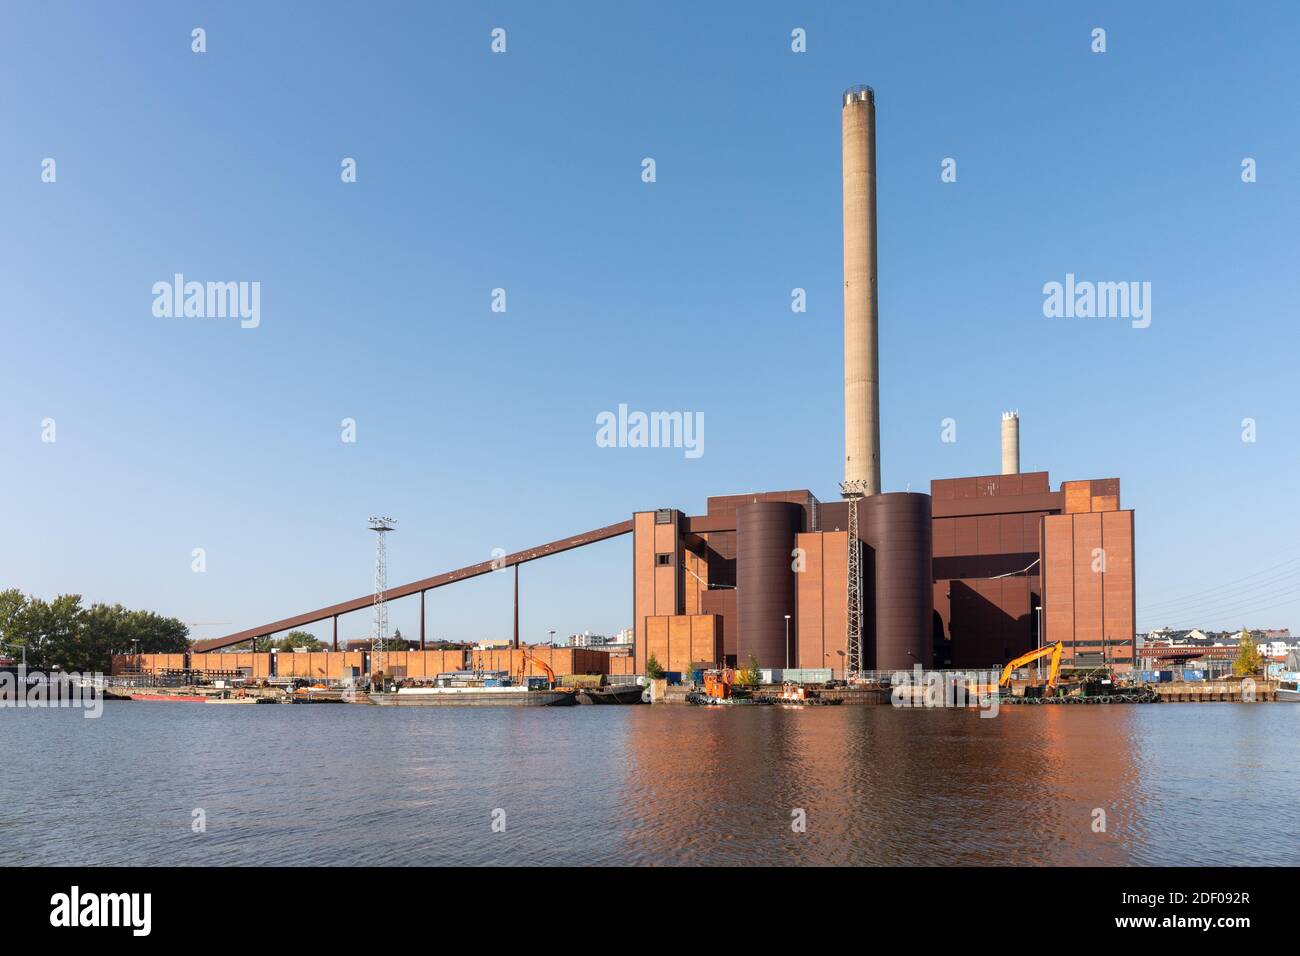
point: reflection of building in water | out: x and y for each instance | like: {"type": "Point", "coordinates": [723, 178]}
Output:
{"type": "Point", "coordinates": [885, 786]}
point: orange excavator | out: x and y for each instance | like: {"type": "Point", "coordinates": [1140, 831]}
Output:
{"type": "Point", "coordinates": [525, 658]}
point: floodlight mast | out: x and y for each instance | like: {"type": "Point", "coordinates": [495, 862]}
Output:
{"type": "Point", "coordinates": [380, 525]}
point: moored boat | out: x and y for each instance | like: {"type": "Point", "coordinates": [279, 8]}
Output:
{"type": "Point", "coordinates": [473, 689]}
{"type": "Point", "coordinates": [1288, 687]}
{"type": "Point", "coordinates": [612, 694]}
{"type": "Point", "coordinates": [513, 696]}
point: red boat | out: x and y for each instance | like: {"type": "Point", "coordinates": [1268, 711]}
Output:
{"type": "Point", "coordinates": [190, 698]}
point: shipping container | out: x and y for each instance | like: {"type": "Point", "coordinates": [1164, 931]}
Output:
{"type": "Point", "coordinates": [808, 675]}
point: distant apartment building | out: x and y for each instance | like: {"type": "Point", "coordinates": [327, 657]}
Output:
{"type": "Point", "coordinates": [619, 645]}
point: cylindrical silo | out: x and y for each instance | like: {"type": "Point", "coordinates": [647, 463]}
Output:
{"type": "Point", "coordinates": [1010, 443]}
{"type": "Point", "coordinates": [896, 530]}
{"type": "Point", "coordinates": [861, 334]}
{"type": "Point", "coordinates": [765, 581]}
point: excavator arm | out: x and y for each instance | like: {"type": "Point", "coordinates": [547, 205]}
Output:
{"type": "Point", "coordinates": [1054, 669]}
{"type": "Point", "coordinates": [526, 657]}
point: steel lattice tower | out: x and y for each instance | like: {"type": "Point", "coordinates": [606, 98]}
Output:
{"type": "Point", "coordinates": [379, 630]}
{"type": "Point", "coordinates": [853, 491]}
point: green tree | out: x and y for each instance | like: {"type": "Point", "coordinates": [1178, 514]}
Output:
{"type": "Point", "coordinates": [296, 639]}
{"type": "Point", "coordinates": [50, 631]}
{"type": "Point", "coordinates": [1248, 659]}
{"type": "Point", "coordinates": [653, 669]}
{"type": "Point", "coordinates": [13, 622]}
{"type": "Point", "coordinates": [61, 633]}
{"type": "Point", "coordinates": [750, 675]}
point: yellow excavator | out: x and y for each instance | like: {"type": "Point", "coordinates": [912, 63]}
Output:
{"type": "Point", "coordinates": [1053, 670]}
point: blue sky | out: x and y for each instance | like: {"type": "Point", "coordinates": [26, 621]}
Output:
{"type": "Point", "coordinates": [522, 170]}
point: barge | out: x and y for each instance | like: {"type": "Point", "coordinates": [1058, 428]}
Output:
{"type": "Point", "coordinates": [512, 696]}
{"type": "Point", "coordinates": [473, 689]}
{"type": "Point", "coordinates": [612, 694]}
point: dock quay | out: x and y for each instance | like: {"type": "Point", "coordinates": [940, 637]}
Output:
{"type": "Point", "coordinates": [1195, 692]}
{"type": "Point", "coordinates": [770, 693]}
{"type": "Point", "coordinates": [200, 693]}
{"type": "Point", "coordinates": [1189, 692]}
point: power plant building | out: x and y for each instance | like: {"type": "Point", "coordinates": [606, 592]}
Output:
{"type": "Point", "coordinates": [959, 577]}
{"type": "Point", "coordinates": [971, 575]}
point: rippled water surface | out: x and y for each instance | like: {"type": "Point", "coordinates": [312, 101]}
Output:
{"type": "Point", "coordinates": [1178, 784]}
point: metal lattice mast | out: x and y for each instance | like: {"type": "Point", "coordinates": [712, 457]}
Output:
{"type": "Point", "coordinates": [379, 630]}
{"type": "Point", "coordinates": [853, 491]}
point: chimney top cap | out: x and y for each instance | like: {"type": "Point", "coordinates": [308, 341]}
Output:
{"type": "Point", "coordinates": [1007, 416]}
{"type": "Point", "coordinates": [864, 93]}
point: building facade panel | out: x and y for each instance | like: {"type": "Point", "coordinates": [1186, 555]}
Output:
{"type": "Point", "coordinates": [667, 569]}
{"type": "Point", "coordinates": [809, 590]}
{"type": "Point", "coordinates": [835, 601]}
{"type": "Point", "coordinates": [945, 537]}
{"type": "Point", "coordinates": [1058, 578]}
{"type": "Point", "coordinates": [1120, 624]}
{"type": "Point", "coordinates": [679, 644]}
{"type": "Point", "coordinates": [1088, 600]}
{"type": "Point", "coordinates": [643, 581]}
{"type": "Point", "coordinates": [966, 536]}
{"type": "Point", "coordinates": [706, 647]}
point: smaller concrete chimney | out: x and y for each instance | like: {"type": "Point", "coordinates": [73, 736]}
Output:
{"type": "Point", "coordinates": [1010, 443]}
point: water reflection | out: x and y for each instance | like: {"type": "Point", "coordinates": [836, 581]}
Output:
{"type": "Point", "coordinates": [1178, 784]}
{"type": "Point", "coordinates": [1035, 785]}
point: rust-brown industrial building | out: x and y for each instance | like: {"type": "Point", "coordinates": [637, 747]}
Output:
{"type": "Point", "coordinates": [976, 572]}
{"type": "Point", "coordinates": [954, 578]}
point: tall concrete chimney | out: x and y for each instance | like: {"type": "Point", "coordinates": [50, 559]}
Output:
{"type": "Point", "coordinates": [861, 335]}
{"type": "Point", "coordinates": [1010, 443]}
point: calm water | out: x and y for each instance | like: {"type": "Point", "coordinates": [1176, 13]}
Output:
{"type": "Point", "coordinates": [1180, 784]}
